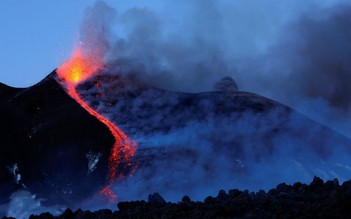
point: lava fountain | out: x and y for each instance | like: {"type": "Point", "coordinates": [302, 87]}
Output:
{"type": "Point", "coordinates": [76, 70]}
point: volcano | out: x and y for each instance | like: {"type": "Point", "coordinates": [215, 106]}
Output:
{"type": "Point", "coordinates": [53, 147]}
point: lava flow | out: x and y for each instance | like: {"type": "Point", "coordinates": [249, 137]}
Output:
{"type": "Point", "coordinates": [76, 70]}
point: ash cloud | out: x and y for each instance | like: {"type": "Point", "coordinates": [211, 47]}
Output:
{"type": "Point", "coordinates": [309, 67]}
{"type": "Point", "coordinates": [318, 54]}
{"type": "Point", "coordinates": [205, 40]}
{"type": "Point", "coordinates": [295, 52]}
{"type": "Point", "coordinates": [94, 37]}
{"type": "Point", "coordinates": [170, 61]}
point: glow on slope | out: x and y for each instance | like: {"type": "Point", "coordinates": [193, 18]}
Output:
{"type": "Point", "coordinates": [76, 70]}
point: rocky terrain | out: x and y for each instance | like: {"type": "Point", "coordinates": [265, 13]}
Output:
{"type": "Point", "coordinates": [188, 143]}
{"type": "Point", "coordinates": [317, 200]}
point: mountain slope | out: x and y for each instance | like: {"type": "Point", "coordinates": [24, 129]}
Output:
{"type": "Point", "coordinates": [189, 142]}
{"type": "Point", "coordinates": [45, 138]}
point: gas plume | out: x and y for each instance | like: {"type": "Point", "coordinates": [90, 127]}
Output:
{"type": "Point", "coordinates": [295, 52]}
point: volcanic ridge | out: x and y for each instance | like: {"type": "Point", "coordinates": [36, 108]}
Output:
{"type": "Point", "coordinates": [54, 148]}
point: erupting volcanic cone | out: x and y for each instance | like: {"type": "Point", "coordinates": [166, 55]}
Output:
{"type": "Point", "coordinates": [76, 70]}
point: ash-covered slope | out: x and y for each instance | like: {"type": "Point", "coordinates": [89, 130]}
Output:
{"type": "Point", "coordinates": [46, 139]}
{"type": "Point", "coordinates": [191, 142]}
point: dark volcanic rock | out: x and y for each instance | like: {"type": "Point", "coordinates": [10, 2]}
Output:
{"type": "Point", "coordinates": [156, 198]}
{"type": "Point", "coordinates": [284, 201]}
{"type": "Point", "coordinates": [226, 84]}
{"type": "Point", "coordinates": [45, 138]}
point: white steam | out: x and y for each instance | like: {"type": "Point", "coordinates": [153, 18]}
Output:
{"type": "Point", "coordinates": [23, 204]}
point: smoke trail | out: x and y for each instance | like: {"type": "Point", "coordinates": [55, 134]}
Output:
{"type": "Point", "coordinates": [295, 52]}
{"type": "Point", "coordinates": [95, 30]}
{"type": "Point", "coordinates": [312, 64]}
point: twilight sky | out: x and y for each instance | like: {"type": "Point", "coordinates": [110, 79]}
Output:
{"type": "Point", "coordinates": [296, 52]}
{"type": "Point", "coordinates": [36, 36]}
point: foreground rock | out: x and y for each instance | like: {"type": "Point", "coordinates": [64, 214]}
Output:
{"type": "Point", "coordinates": [316, 200]}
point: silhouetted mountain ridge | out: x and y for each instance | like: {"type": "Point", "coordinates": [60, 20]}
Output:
{"type": "Point", "coordinates": [47, 135]}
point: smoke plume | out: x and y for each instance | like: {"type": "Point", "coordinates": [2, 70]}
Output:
{"type": "Point", "coordinates": [295, 52]}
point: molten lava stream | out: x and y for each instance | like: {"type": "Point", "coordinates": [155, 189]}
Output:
{"type": "Point", "coordinates": [75, 71]}
{"type": "Point", "coordinates": [122, 150]}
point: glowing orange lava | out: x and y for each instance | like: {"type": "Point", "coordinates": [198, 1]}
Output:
{"type": "Point", "coordinates": [76, 70]}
